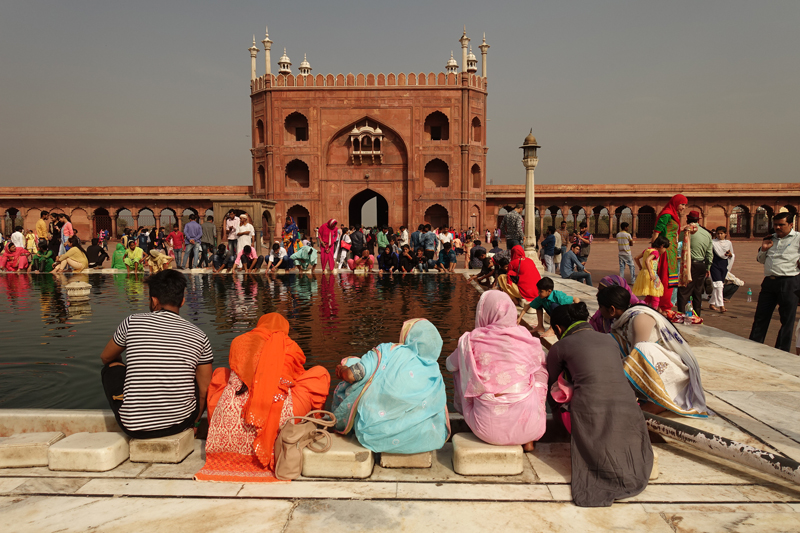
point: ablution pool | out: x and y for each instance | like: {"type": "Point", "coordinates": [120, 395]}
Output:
{"type": "Point", "coordinates": [50, 348]}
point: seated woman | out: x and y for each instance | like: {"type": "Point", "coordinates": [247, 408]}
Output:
{"type": "Point", "coordinates": [363, 263]}
{"type": "Point", "coordinates": [657, 360]}
{"type": "Point", "coordinates": [158, 261]}
{"type": "Point", "coordinates": [118, 258]}
{"type": "Point", "coordinates": [75, 257]}
{"type": "Point", "coordinates": [524, 271]}
{"type": "Point", "coordinates": [14, 258]}
{"type": "Point", "coordinates": [597, 321]}
{"type": "Point", "coordinates": [610, 450]}
{"type": "Point", "coordinates": [249, 402]}
{"type": "Point", "coordinates": [388, 260]}
{"type": "Point", "coordinates": [42, 260]}
{"type": "Point", "coordinates": [393, 396]}
{"type": "Point", "coordinates": [134, 257]}
{"type": "Point", "coordinates": [304, 258]}
{"type": "Point", "coordinates": [499, 376]}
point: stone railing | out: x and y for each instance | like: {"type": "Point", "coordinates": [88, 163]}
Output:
{"type": "Point", "coordinates": [370, 80]}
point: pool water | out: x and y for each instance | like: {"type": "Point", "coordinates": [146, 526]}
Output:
{"type": "Point", "coordinates": [50, 349]}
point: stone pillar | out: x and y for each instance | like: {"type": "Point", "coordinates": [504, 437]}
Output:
{"type": "Point", "coordinates": [3, 222]}
{"type": "Point", "coordinates": [114, 226]}
{"type": "Point", "coordinates": [267, 47]}
{"type": "Point", "coordinates": [464, 43]}
{"type": "Point", "coordinates": [485, 48]}
{"type": "Point", "coordinates": [253, 53]}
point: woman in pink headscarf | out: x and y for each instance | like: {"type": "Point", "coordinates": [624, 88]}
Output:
{"type": "Point", "coordinates": [328, 236]}
{"type": "Point", "coordinates": [14, 258]}
{"type": "Point", "coordinates": [499, 375]}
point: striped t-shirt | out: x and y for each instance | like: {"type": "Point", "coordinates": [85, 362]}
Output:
{"type": "Point", "coordinates": [162, 354]}
{"type": "Point", "coordinates": [624, 241]}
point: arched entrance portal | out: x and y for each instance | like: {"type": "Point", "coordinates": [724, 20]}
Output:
{"type": "Point", "coordinates": [362, 211]}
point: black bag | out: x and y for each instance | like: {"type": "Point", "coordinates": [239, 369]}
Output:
{"type": "Point", "coordinates": [515, 279]}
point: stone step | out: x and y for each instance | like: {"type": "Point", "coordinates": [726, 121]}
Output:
{"type": "Point", "coordinates": [27, 449]}
{"type": "Point", "coordinates": [473, 457]}
{"type": "Point", "coordinates": [400, 460]}
{"type": "Point", "coordinates": [172, 449]}
{"type": "Point", "coordinates": [654, 471]}
{"type": "Point", "coordinates": [346, 459]}
{"type": "Point", "coordinates": [89, 452]}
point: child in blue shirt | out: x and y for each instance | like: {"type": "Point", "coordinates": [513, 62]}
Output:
{"type": "Point", "coordinates": [547, 300]}
{"type": "Point", "coordinates": [447, 259]}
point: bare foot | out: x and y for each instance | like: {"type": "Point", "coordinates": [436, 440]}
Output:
{"type": "Point", "coordinates": [529, 446]}
{"type": "Point", "coordinates": [652, 408]}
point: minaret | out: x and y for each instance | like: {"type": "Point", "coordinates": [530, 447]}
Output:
{"type": "Point", "coordinates": [305, 67]}
{"type": "Point", "coordinates": [267, 47]}
{"type": "Point", "coordinates": [484, 48]}
{"type": "Point", "coordinates": [472, 62]}
{"type": "Point", "coordinates": [284, 64]}
{"type": "Point", "coordinates": [253, 53]}
{"type": "Point", "coordinates": [452, 66]}
{"type": "Point", "coordinates": [464, 43]}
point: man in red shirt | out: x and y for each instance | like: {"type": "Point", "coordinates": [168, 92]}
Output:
{"type": "Point", "coordinates": [176, 238]}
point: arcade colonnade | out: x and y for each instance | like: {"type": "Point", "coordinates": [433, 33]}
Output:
{"type": "Point", "coordinates": [746, 210]}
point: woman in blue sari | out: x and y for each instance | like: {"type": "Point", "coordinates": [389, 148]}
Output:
{"type": "Point", "coordinates": [290, 235]}
{"type": "Point", "coordinates": [393, 396]}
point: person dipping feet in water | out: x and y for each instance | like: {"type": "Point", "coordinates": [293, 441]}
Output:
{"type": "Point", "coordinates": [161, 387]}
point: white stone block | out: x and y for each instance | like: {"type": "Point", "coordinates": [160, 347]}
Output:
{"type": "Point", "coordinates": [172, 449]}
{"type": "Point", "coordinates": [346, 459]}
{"type": "Point", "coordinates": [654, 471]}
{"type": "Point", "coordinates": [400, 460]}
{"type": "Point", "coordinates": [89, 452]}
{"type": "Point", "coordinates": [473, 457]}
{"type": "Point", "coordinates": [27, 449]}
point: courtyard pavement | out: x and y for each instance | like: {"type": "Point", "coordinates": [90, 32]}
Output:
{"type": "Point", "coordinates": [752, 391]}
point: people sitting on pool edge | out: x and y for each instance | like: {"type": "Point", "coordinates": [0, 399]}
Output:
{"type": "Point", "coordinates": [657, 360]}
{"type": "Point", "coordinates": [610, 448]}
{"type": "Point", "coordinates": [499, 378]}
{"type": "Point", "coordinates": [160, 389]}
{"type": "Point", "coordinates": [250, 401]}
{"type": "Point", "coordinates": [520, 278]}
{"type": "Point", "coordinates": [393, 397]}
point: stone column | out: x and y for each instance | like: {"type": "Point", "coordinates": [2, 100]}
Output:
{"type": "Point", "coordinates": [253, 53]}
{"type": "Point", "coordinates": [114, 226]}
{"type": "Point", "coordinates": [3, 222]}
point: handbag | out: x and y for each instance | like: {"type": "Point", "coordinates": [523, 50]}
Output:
{"type": "Point", "coordinates": [346, 245]}
{"type": "Point", "coordinates": [293, 438]}
{"type": "Point", "coordinates": [515, 279]}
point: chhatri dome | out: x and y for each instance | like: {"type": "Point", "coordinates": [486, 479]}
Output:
{"type": "Point", "coordinates": [472, 61]}
{"type": "Point", "coordinates": [285, 64]}
{"type": "Point", "coordinates": [452, 64]}
{"type": "Point", "coordinates": [305, 66]}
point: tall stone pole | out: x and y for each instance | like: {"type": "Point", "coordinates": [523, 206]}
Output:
{"type": "Point", "coordinates": [267, 47]}
{"type": "Point", "coordinates": [464, 43]}
{"type": "Point", "coordinates": [530, 159]}
{"type": "Point", "coordinates": [253, 53]}
{"type": "Point", "coordinates": [484, 49]}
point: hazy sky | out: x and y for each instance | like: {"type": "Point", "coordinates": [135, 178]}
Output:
{"type": "Point", "coordinates": [157, 92]}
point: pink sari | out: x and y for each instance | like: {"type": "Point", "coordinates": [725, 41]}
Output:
{"type": "Point", "coordinates": [499, 375]}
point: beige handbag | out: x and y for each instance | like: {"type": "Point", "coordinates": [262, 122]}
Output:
{"type": "Point", "coordinates": [293, 438]}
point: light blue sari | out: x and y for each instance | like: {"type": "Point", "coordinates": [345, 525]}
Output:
{"type": "Point", "coordinates": [399, 406]}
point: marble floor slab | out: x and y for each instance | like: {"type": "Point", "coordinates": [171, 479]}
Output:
{"type": "Point", "coordinates": [52, 485]}
{"type": "Point", "coordinates": [158, 487]}
{"type": "Point", "coordinates": [10, 483]}
{"type": "Point", "coordinates": [745, 521]}
{"type": "Point", "coordinates": [478, 517]}
{"type": "Point", "coordinates": [467, 491]}
{"type": "Point", "coordinates": [136, 515]}
{"type": "Point", "coordinates": [776, 409]}
{"type": "Point", "coordinates": [125, 470]}
{"type": "Point", "coordinates": [186, 469]}
{"type": "Point", "coordinates": [725, 370]}
{"type": "Point", "coordinates": [355, 490]}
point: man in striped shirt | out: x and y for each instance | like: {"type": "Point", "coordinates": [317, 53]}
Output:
{"type": "Point", "coordinates": [161, 388]}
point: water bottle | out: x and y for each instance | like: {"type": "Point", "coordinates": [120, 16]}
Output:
{"type": "Point", "coordinates": [749, 295]}
{"type": "Point", "coordinates": [688, 313]}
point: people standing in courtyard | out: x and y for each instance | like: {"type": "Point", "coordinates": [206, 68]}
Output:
{"type": "Point", "coordinates": [669, 226]}
{"type": "Point", "coordinates": [499, 376]}
{"type": "Point", "coordinates": [357, 241]}
{"type": "Point", "coordinates": [161, 387]}
{"type": "Point", "coordinates": [232, 230]}
{"type": "Point", "coordinates": [54, 230]}
{"type": "Point", "coordinates": [720, 266]}
{"type": "Point", "coordinates": [428, 242]}
{"type": "Point", "coordinates": [290, 235]}
{"type": "Point", "coordinates": [649, 284]}
{"type": "Point", "coordinates": [624, 243]}
{"type": "Point", "coordinates": [513, 227]}
{"type": "Point", "coordinates": [207, 242]}
{"type": "Point", "coordinates": [176, 240]}
{"type": "Point", "coordinates": [345, 244]}
{"type": "Point", "coordinates": [415, 238]}
{"type": "Point", "coordinates": [572, 268]}
{"type": "Point", "coordinates": [42, 233]}
{"type": "Point", "coordinates": [548, 249]}
{"type": "Point", "coordinates": [610, 451]}
{"type": "Point", "coordinates": [565, 238]}
{"type": "Point", "coordinates": [700, 258]}
{"type": "Point", "coordinates": [66, 232]}
{"type": "Point", "coordinates": [246, 233]}
{"type": "Point", "coordinates": [780, 255]}
{"type": "Point", "coordinates": [328, 237]}
{"type": "Point", "coordinates": [585, 239]}
{"type": "Point", "coordinates": [393, 397]}
{"type": "Point", "coordinates": [193, 232]}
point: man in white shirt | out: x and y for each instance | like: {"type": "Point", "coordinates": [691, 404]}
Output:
{"type": "Point", "coordinates": [780, 255]}
{"type": "Point", "coordinates": [17, 238]}
{"type": "Point", "coordinates": [278, 258]}
{"type": "Point", "coordinates": [232, 230]}
{"type": "Point", "coordinates": [246, 232]}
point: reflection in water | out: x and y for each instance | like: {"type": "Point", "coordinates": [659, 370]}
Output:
{"type": "Point", "coordinates": [50, 354]}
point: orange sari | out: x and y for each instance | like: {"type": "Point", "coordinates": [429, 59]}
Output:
{"type": "Point", "coordinates": [244, 422]}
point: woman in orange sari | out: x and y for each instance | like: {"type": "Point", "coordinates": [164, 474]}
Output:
{"type": "Point", "coordinates": [249, 402]}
